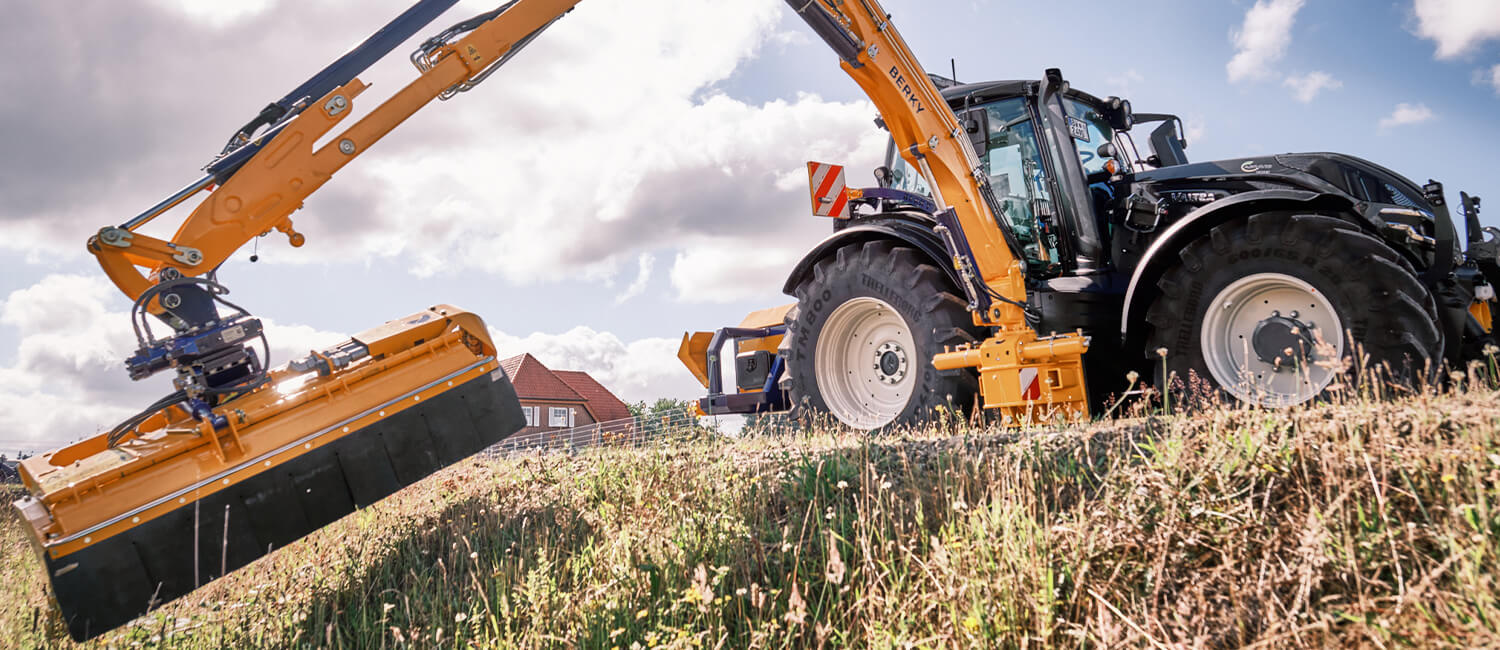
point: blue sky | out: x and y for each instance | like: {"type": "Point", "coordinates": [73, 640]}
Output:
{"type": "Point", "coordinates": [633, 153]}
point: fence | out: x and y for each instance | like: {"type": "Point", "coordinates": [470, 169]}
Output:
{"type": "Point", "coordinates": [628, 432]}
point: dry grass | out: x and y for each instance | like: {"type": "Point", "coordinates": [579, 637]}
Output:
{"type": "Point", "coordinates": [1363, 524]}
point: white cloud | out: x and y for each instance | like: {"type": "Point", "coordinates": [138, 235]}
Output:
{"type": "Point", "coordinates": [1263, 38]}
{"type": "Point", "coordinates": [726, 270]}
{"type": "Point", "coordinates": [644, 264]}
{"type": "Point", "coordinates": [68, 379]}
{"type": "Point", "coordinates": [1121, 82]}
{"type": "Point", "coordinates": [1491, 77]}
{"type": "Point", "coordinates": [1406, 114]}
{"type": "Point", "coordinates": [217, 13]}
{"type": "Point", "coordinates": [1457, 26]}
{"type": "Point", "coordinates": [644, 369]}
{"type": "Point", "coordinates": [1307, 87]}
{"type": "Point", "coordinates": [1196, 127]}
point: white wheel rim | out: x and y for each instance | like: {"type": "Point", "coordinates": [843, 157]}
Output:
{"type": "Point", "coordinates": [865, 364]}
{"type": "Point", "coordinates": [1228, 331]}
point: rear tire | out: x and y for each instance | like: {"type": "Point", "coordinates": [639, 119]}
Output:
{"type": "Point", "coordinates": [1252, 289]}
{"type": "Point", "coordinates": [860, 342]}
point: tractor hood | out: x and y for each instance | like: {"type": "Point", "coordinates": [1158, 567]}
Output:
{"type": "Point", "coordinates": [1357, 178]}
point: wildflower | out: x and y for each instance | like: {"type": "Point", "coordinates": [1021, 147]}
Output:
{"type": "Point", "coordinates": [796, 608]}
{"type": "Point", "coordinates": [1449, 478]}
{"type": "Point", "coordinates": [474, 555]}
{"type": "Point", "coordinates": [843, 485]}
{"type": "Point", "coordinates": [972, 623]}
{"type": "Point", "coordinates": [641, 614]}
{"type": "Point", "coordinates": [1161, 352]}
{"type": "Point", "coordinates": [885, 485]}
{"type": "Point", "coordinates": [461, 617]}
{"type": "Point", "coordinates": [960, 506]}
{"type": "Point", "coordinates": [1132, 376]}
{"type": "Point", "coordinates": [836, 569]}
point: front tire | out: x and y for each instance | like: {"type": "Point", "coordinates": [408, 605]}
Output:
{"type": "Point", "coordinates": [1271, 309]}
{"type": "Point", "coordinates": [860, 342]}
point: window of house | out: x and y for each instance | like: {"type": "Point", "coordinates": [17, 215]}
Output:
{"type": "Point", "coordinates": [530, 415]}
{"type": "Point", "coordinates": [557, 417]}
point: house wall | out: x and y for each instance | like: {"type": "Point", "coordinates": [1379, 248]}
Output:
{"type": "Point", "coordinates": [581, 415]}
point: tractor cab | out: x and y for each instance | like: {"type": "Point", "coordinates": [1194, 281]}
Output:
{"type": "Point", "coordinates": [1056, 158]}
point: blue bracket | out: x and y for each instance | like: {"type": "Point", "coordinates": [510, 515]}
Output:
{"type": "Point", "coordinates": [768, 399]}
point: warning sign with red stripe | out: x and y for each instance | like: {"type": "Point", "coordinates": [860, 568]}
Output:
{"type": "Point", "coordinates": [1030, 389]}
{"type": "Point", "coordinates": [830, 197]}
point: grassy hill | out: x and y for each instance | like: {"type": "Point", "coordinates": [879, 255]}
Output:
{"type": "Point", "coordinates": [1368, 524]}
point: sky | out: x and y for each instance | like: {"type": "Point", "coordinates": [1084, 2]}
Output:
{"type": "Point", "coordinates": [635, 173]}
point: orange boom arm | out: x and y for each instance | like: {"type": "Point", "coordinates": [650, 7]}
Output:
{"type": "Point", "coordinates": [262, 195]}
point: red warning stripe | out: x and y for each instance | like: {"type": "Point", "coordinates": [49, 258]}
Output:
{"type": "Point", "coordinates": [1031, 389]}
{"type": "Point", "coordinates": [829, 191]}
{"type": "Point", "coordinates": [831, 175]}
{"type": "Point", "coordinates": [838, 204]}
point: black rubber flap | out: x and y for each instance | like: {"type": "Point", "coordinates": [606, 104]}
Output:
{"type": "Point", "coordinates": [116, 580]}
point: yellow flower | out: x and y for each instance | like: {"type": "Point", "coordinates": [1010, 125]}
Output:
{"type": "Point", "coordinates": [1449, 478]}
{"type": "Point", "coordinates": [640, 615]}
{"type": "Point", "coordinates": [972, 623]}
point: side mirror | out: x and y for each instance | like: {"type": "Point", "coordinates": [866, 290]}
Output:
{"type": "Point", "coordinates": [883, 176]}
{"type": "Point", "coordinates": [1168, 144]}
{"type": "Point", "coordinates": [977, 123]}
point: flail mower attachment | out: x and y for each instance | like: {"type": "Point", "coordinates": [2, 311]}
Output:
{"type": "Point", "coordinates": [181, 499]}
{"type": "Point", "coordinates": [758, 367]}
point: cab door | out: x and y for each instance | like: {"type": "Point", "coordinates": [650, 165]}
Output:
{"type": "Point", "coordinates": [1015, 161]}
{"type": "Point", "coordinates": [1073, 131]}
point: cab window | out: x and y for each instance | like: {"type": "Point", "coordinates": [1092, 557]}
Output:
{"type": "Point", "coordinates": [1013, 162]}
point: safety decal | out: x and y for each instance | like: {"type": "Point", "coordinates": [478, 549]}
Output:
{"type": "Point", "coordinates": [829, 195]}
{"type": "Point", "coordinates": [1030, 388]}
{"type": "Point", "coordinates": [1078, 129]}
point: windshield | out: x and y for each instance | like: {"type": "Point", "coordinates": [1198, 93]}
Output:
{"type": "Point", "coordinates": [1089, 129]}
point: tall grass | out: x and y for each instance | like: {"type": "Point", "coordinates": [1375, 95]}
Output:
{"type": "Point", "coordinates": [1365, 523]}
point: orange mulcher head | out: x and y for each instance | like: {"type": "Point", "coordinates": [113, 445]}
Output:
{"type": "Point", "coordinates": [177, 503]}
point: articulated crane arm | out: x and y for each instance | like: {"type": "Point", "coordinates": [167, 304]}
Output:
{"type": "Point", "coordinates": [1029, 378]}
{"type": "Point", "coordinates": [263, 179]}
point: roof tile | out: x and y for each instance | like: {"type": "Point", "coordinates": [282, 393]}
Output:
{"type": "Point", "coordinates": [605, 406]}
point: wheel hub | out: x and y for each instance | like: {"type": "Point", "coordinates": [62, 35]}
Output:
{"type": "Point", "coordinates": [862, 363]}
{"type": "Point", "coordinates": [890, 363]}
{"type": "Point", "coordinates": [1282, 340]}
{"type": "Point", "coordinates": [1259, 336]}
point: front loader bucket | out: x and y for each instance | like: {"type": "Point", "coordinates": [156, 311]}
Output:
{"type": "Point", "coordinates": [123, 529]}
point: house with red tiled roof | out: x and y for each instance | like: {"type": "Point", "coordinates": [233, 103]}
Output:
{"type": "Point", "coordinates": [560, 399]}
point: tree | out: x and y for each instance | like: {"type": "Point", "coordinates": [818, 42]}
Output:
{"type": "Point", "coordinates": [662, 407]}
